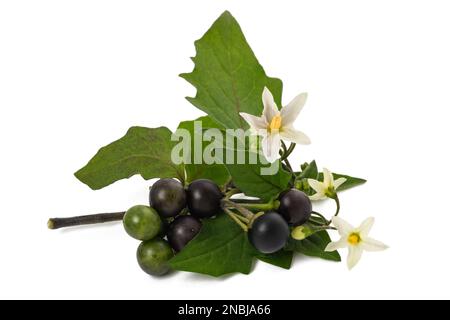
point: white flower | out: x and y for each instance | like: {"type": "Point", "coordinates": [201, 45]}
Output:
{"type": "Point", "coordinates": [327, 188]}
{"type": "Point", "coordinates": [273, 125]}
{"type": "Point", "coordinates": [356, 239]}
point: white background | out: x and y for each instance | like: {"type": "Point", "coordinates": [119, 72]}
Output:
{"type": "Point", "coordinates": [74, 75]}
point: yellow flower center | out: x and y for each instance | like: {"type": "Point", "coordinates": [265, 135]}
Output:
{"type": "Point", "coordinates": [354, 239]}
{"type": "Point", "coordinates": [275, 124]}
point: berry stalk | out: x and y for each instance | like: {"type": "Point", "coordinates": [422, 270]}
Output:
{"type": "Point", "coordinates": [226, 203]}
{"type": "Point", "coordinates": [273, 205]}
{"type": "Point", "coordinates": [236, 219]}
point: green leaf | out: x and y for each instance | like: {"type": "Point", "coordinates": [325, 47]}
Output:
{"type": "Point", "coordinates": [141, 151]}
{"type": "Point", "coordinates": [227, 75]}
{"type": "Point", "coordinates": [216, 172]}
{"type": "Point", "coordinates": [248, 178]}
{"type": "Point", "coordinates": [220, 248]}
{"type": "Point", "coordinates": [350, 183]}
{"type": "Point", "coordinates": [207, 123]}
{"type": "Point", "coordinates": [314, 246]}
{"type": "Point", "coordinates": [282, 259]}
{"type": "Point", "coordinates": [310, 172]}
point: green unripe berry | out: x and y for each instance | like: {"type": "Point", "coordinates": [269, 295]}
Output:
{"type": "Point", "coordinates": [153, 256]}
{"type": "Point", "coordinates": [142, 222]}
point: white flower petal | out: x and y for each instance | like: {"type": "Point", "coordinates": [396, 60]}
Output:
{"type": "Point", "coordinates": [271, 145]}
{"type": "Point", "coordinates": [270, 107]}
{"type": "Point", "coordinates": [354, 255]}
{"type": "Point", "coordinates": [339, 182]}
{"type": "Point", "coordinates": [317, 196]}
{"type": "Point", "coordinates": [327, 177]}
{"type": "Point", "coordinates": [290, 112]}
{"type": "Point", "coordinates": [366, 226]}
{"type": "Point", "coordinates": [260, 132]}
{"type": "Point", "coordinates": [292, 135]}
{"type": "Point", "coordinates": [333, 246]}
{"type": "Point", "coordinates": [316, 185]}
{"type": "Point", "coordinates": [256, 123]}
{"type": "Point", "coordinates": [344, 228]}
{"type": "Point", "coordinates": [370, 244]}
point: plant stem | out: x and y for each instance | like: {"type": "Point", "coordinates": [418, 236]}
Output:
{"type": "Point", "coordinates": [57, 223]}
{"type": "Point", "coordinates": [325, 228]}
{"type": "Point", "coordinates": [320, 216]}
{"type": "Point", "coordinates": [242, 201]}
{"type": "Point", "coordinates": [287, 152]}
{"type": "Point", "coordinates": [293, 176]}
{"type": "Point", "coordinates": [233, 216]}
{"type": "Point", "coordinates": [242, 210]}
{"type": "Point", "coordinates": [288, 165]}
{"type": "Point", "coordinates": [283, 146]}
{"type": "Point", "coordinates": [317, 221]}
{"type": "Point", "coordinates": [338, 205]}
{"type": "Point", "coordinates": [285, 162]}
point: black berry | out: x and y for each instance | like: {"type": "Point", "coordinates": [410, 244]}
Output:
{"type": "Point", "coordinates": [204, 198]}
{"type": "Point", "coordinates": [295, 207]}
{"type": "Point", "coordinates": [269, 232]}
{"type": "Point", "coordinates": [182, 230]}
{"type": "Point", "coordinates": [168, 197]}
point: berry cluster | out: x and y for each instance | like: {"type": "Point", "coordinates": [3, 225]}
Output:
{"type": "Point", "coordinates": [175, 213]}
{"type": "Point", "coordinates": [182, 208]}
